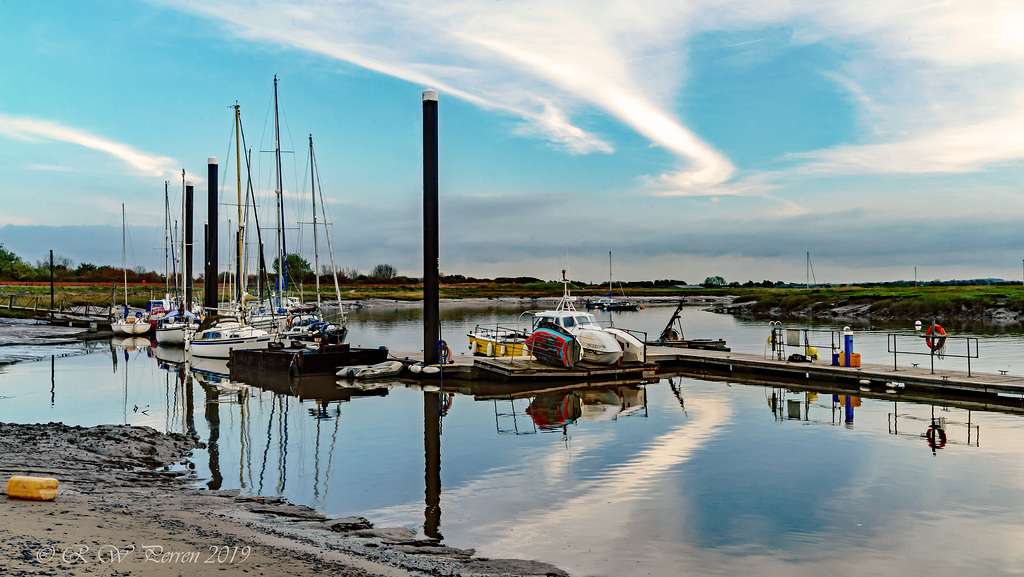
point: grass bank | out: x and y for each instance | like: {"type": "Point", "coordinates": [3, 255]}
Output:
{"type": "Point", "coordinates": [883, 303]}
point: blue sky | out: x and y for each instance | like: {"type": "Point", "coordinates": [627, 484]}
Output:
{"type": "Point", "coordinates": [689, 138]}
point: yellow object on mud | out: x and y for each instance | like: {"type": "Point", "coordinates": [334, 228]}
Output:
{"type": "Point", "coordinates": [34, 488]}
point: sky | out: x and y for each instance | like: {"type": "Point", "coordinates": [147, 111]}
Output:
{"type": "Point", "coordinates": [689, 138]}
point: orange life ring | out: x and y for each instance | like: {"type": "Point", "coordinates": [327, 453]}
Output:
{"type": "Point", "coordinates": [931, 435]}
{"type": "Point", "coordinates": [935, 343]}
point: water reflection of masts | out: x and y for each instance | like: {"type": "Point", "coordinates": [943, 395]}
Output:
{"type": "Point", "coordinates": [282, 436]}
{"type": "Point", "coordinates": [432, 463]}
{"type": "Point", "coordinates": [266, 447]}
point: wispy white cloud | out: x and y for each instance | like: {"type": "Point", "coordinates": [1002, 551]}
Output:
{"type": "Point", "coordinates": [930, 82]}
{"type": "Point", "coordinates": [956, 149]}
{"type": "Point", "coordinates": [39, 130]}
{"type": "Point", "coordinates": [49, 167]}
{"type": "Point", "coordinates": [540, 61]}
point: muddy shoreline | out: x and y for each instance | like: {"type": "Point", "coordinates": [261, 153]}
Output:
{"type": "Point", "coordinates": [126, 503]}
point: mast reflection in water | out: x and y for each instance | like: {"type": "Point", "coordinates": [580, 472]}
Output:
{"type": "Point", "coordinates": [656, 476]}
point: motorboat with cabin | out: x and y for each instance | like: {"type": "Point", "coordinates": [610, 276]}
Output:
{"type": "Point", "coordinates": [599, 345]}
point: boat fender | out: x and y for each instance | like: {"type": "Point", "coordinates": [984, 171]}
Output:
{"type": "Point", "coordinates": [490, 349]}
{"type": "Point", "coordinates": [431, 370]}
{"type": "Point", "coordinates": [415, 368]}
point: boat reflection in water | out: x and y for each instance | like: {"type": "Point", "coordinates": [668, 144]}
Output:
{"type": "Point", "coordinates": [299, 439]}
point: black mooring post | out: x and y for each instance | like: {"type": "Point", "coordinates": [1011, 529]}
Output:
{"type": "Point", "coordinates": [189, 190]}
{"type": "Point", "coordinates": [431, 265]}
{"type": "Point", "coordinates": [210, 296]}
{"type": "Point", "coordinates": [432, 463]}
{"type": "Point", "coordinates": [51, 283]}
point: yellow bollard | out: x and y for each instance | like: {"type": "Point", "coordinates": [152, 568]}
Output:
{"type": "Point", "coordinates": [34, 488]}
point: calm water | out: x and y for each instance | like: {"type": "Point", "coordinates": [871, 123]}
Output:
{"type": "Point", "coordinates": [675, 476]}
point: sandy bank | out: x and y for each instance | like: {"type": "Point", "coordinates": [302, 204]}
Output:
{"type": "Point", "coordinates": [124, 506]}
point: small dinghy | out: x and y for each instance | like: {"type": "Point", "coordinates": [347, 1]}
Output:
{"type": "Point", "coordinates": [377, 371]}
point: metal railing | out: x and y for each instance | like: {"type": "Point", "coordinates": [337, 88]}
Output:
{"type": "Point", "coordinates": [933, 351]}
{"type": "Point", "coordinates": [781, 338]}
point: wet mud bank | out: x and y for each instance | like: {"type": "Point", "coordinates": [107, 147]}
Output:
{"type": "Point", "coordinates": [127, 504]}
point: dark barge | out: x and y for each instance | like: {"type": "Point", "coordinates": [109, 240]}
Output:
{"type": "Point", "coordinates": [301, 361]}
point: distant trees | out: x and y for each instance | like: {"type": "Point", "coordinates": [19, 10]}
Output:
{"type": "Point", "coordinates": [714, 281]}
{"type": "Point", "coordinates": [383, 272]}
{"type": "Point", "coordinates": [298, 269]}
{"type": "Point", "coordinates": [13, 266]}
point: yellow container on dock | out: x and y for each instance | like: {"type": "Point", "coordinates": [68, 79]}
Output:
{"type": "Point", "coordinates": [34, 488]}
{"type": "Point", "coordinates": [854, 360]}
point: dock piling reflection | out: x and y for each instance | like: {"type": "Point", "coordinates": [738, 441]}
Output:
{"type": "Point", "coordinates": [432, 463]}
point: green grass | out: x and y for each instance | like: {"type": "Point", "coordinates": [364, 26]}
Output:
{"type": "Point", "coordinates": [883, 302]}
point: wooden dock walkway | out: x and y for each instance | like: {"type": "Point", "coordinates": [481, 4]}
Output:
{"type": "Point", "coordinates": [526, 368]}
{"type": "Point", "coordinates": [665, 361]}
{"type": "Point", "coordinates": [877, 376]}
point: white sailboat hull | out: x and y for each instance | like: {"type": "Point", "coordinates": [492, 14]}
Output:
{"type": "Point", "coordinates": [218, 342]}
{"type": "Point", "coordinates": [171, 336]}
{"type": "Point", "coordinates": [221, 348]}
{"type": "Point", "coordinates": [130, 326]}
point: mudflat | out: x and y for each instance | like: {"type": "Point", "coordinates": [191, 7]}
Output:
{"type": "Point", "coordinates": [126, 505]}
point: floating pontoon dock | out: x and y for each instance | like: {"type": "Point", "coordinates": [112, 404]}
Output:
{"type": "Point", "coordinates": [662, 360]}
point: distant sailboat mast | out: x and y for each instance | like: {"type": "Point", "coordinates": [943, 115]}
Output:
{"type": "Point", "coordinates": [330, 249]}
{"type": "Point", "coordinates": [239, 281]}
{"type": "Point", "coordinates": [282, 275]}
{"type": "Point", "coordinates": [124, 264]}
{"type": "Point", "coordinates": [316, 246]}
{"type": "Point", "coordinates": [167, 239]}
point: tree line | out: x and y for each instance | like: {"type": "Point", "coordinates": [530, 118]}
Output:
{"type": "Point", "coordinates": [16, 268]}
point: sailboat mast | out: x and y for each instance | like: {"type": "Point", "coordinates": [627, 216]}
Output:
{"type": "Point", "coordinates": [330, 251]}
{"type": "Point", "coordinates": [239, 282]}
{"type": "Point", "coordinates": [184, 259]}
{"type": "Point", "coordinates": [312, 191]}
{"type": "Point", "coordinates": [609, 273]}
{"type": "Point", "coordinates": [282, 276]}
{"type": "Point", "coordinates": [167, 238]}
{"type": "Point", "coordinates": [124, 264]}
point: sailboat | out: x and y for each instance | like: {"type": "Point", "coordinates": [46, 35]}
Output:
{"type": "Point", "coordinates": [311, 326]}
{"type": "Point", "coordinates": [175, 328]}
{"type": "Point", "coordinates": [273, 313]}
{"type": "Point", "coordinates": [127, 324]}
{"type": "Point", "coordinates": [609, 302]}
{"type": "Point", "coordinates": [218, 335]}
